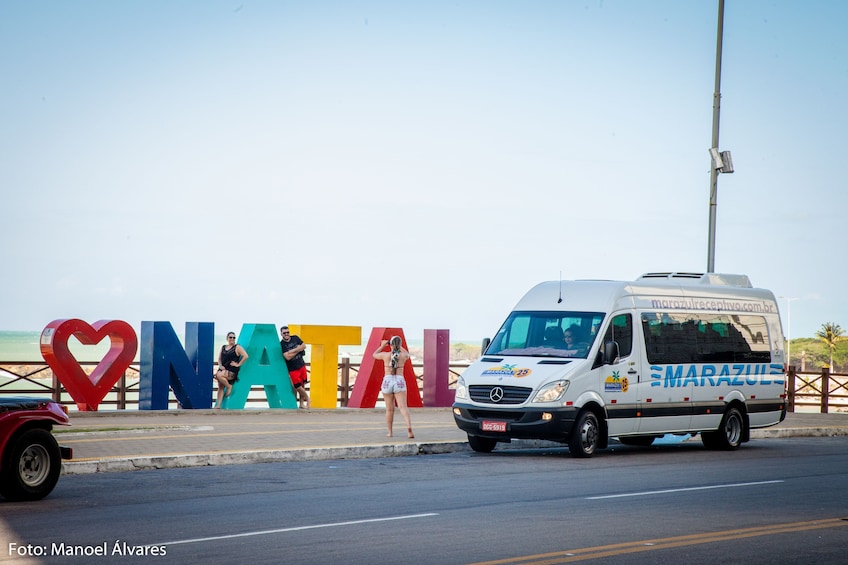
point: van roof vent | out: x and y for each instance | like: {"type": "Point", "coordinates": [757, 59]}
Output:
{"type": "Point", "coordinates": [702, 278]}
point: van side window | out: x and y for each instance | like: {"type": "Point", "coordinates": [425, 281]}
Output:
{"type": "Point", "coordinates": [678, 338]}
{"type": "Point", "coordinates": [621, 330]}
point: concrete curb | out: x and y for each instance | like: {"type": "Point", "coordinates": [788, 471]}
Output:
{"type": "Point", "coordinates": [120, 464]}
{"type": "Point", "coordinates": [829, 431]}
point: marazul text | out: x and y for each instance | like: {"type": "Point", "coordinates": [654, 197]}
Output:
{"type": "Point", "coordinates": [707, 375]}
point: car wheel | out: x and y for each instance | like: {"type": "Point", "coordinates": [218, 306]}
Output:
{"type": "Point", "coordinates": [31, 466]}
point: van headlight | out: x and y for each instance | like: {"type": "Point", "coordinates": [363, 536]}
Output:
{"type": "Point", "coordinates": [551, 392]}
{"type": "Point", "coordinates": [461, 390]}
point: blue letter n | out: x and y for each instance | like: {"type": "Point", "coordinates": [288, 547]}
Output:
{"type": "Point", "coordinates": [165, 364]}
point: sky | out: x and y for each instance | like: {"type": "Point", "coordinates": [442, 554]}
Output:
{"type": "Point", "coordinates": [415, 164]}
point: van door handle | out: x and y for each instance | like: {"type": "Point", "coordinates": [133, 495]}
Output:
{"type": "Point", "coordinates": [631, 372]}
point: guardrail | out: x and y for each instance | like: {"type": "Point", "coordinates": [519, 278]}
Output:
{"type": "Point", "coordinates": [34, 377]}
{"type": "Point", "coordinates": [804, 388]}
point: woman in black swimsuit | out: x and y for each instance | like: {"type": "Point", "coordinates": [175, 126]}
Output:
{"type": "Point", "coordinates": [231, 358]}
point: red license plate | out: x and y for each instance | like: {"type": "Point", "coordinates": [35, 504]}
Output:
{"type": "Point", "coordinates": [489, 426]}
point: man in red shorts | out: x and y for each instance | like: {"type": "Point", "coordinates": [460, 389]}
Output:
{"type": "Point", "coordinates": [293, 353]}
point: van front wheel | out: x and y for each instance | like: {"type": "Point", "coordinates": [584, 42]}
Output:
{"type": "Point", "coordinates": [481, 444]}
{"type": "Point", "coordinates": [586, 435]}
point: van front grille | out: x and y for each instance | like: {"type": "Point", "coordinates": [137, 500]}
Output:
{"type": "Point", "coordinates": [510, 394]}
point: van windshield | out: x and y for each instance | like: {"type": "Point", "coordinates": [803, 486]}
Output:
{"type": "Point", "coordinates": [547, 334]}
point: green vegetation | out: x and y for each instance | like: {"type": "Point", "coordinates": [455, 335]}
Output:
{"type": "Point", "coordinates": [831, 335]}
{"type": "Point", "coordinates": [828, 348]}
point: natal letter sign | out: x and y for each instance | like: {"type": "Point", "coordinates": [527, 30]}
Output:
{"type": "Point", "coordinates": [165, 365]}
{"type": "Point", "coordinates": [88, 390]}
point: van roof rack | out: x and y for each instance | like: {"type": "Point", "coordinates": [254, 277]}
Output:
{"type": "Point", "coordinates": [723, 279]}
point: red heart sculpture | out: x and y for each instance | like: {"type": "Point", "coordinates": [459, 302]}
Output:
{"type": "Point", "coordinates": [88, 391]}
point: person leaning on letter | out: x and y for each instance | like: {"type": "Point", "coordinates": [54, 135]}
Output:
{"type": "Point", "coordinates": [230, 360]}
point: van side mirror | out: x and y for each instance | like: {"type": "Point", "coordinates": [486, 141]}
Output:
{"type": "Point", "coordinates": [610, 352]}
{"type": "Point", "coordinates": [486, 342]}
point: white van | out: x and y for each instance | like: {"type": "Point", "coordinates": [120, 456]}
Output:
{"type": "Point", "coordinates": [579, 362]}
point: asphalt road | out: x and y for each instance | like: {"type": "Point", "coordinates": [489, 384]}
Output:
{"type": "Point", "coordinates": [772, 501]}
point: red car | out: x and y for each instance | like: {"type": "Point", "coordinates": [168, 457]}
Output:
{"type": "Point", "coordinates": [30, 458]}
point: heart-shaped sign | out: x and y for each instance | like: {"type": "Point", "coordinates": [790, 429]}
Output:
{"type": "Point", "coordinates": [88, 391]}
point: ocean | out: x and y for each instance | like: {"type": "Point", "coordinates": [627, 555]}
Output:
{"type": "Point", "coordinates": [21, 346]}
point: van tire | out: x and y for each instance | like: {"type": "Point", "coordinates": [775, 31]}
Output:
{"type": "Point", "coordinates": [586, 435]}
{"type": "Point", "coordinates": [729, 434]}
{"type": "Point", "coordinates": [481, 444]}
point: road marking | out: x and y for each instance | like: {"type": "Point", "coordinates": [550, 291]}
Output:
{"type": "Point", "coordinates": [666, 491]}
{"type": "Point", "coordinates": [295, 529]}
{"type": "Point", "coordinates": [601, 551]}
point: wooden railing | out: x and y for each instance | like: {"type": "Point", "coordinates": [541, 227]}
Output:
{"type": "Point", "coordinates": [825, 391]}
{"type": "Point", "coordinates": [36, 378]}
{"type": "Point", "coordinates": [822, 391]}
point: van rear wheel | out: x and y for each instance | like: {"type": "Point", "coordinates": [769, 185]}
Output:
{"type": "Point", "coordinates": [481, 444]}
{"type": "Point", "coordinates": [586, 435]}
{"type": "Point", "coordinates": [729, 434]}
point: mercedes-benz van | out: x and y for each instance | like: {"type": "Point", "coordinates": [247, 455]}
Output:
{"type": "Point", "coordinates": [580, 362]}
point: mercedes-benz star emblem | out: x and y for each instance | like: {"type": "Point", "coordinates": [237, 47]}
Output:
{"type": "Point", "coordinates": [496, 394]}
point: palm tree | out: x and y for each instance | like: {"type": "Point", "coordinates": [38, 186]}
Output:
{"type": "Point", "coordinates": [830, 334]}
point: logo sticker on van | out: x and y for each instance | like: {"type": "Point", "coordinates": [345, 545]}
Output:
{"type": "Point", "coordinates": [508, 371]}
{"type": "Point", "coordinates": [616, 383]}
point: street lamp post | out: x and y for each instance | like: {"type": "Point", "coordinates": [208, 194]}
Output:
{"type": "Point", "coordinates": [721, 162]}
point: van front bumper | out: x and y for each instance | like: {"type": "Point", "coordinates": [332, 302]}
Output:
{"type": "Point", "coordinates": [553, 424]}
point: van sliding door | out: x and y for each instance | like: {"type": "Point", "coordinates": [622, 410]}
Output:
{"type": "Point", "coordinates": [665, 392]}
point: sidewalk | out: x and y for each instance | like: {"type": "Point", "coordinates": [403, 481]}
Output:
{"type": "Point", "coordinates": [134, 440]}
